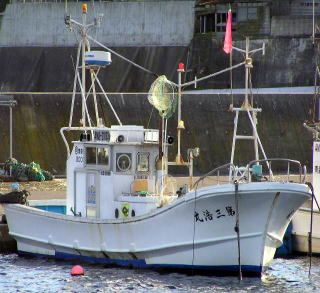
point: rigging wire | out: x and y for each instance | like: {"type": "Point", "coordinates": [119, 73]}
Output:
{"type": "Point", "coordinates": [123, 58]}
{"type": "Point", "coordinates": [250, 87]}
{"type": "Point", "coordinates": [150, 117]}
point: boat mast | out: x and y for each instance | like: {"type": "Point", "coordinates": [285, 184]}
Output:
{"type": "Point", "coordinates": [247, 106]}
{"type": "Point", "coordinates": [83, 29]}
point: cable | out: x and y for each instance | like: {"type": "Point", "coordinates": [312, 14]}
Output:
{"type": "Point", "coordinates": [123, 58]}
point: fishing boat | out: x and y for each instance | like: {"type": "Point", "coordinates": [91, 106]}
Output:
{"type": "Point", "coordinates": [306, 221]}
{"type": "Point", "coordinates": [124, 208]}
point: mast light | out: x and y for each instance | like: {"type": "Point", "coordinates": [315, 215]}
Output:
{"type": "Point", "coordinates": [181, 67]}
{"type": "Point", "coordinates": [84, 8]}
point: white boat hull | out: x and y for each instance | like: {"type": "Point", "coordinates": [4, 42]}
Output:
{"type": "Point", "coordinates": [301, 229]}
{"type": "Point", "coordinates": [186, 234]}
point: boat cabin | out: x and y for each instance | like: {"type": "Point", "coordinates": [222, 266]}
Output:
{"type": "Point", "coordinates": [112, 173]}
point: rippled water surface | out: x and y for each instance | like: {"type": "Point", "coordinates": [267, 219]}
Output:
{"type": "Point", "coordinates": [21, 274]}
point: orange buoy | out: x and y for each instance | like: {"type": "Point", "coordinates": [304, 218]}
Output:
{"type": "Point", "coordinates": [77, 270]}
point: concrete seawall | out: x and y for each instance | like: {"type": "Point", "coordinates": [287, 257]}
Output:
{"type": "Point", "coordinates": [160, 23]}
{"type": "Point", "coordinates": [209, 125]}
{"type": "Point", "coordinates": [38, 118]}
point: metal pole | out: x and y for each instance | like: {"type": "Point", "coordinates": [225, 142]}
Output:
{"type": "Point", "coordinates": [178, 158]}
{"type": "Point", "coordinates": [235, 128]}
{"type": "Point", "coordinates": [10, 138]}
{"type": "Point", "coordinates": [313, 22]}
{"type": "Point", "coordinates": [10, 132]}
{"type": "Point", "coordinates": [74, 86]}
{"type": "Point", "coordinates": [190, 170]}
{"type": "Point", "coordinates": [256, 147]}
{"type": "Point", "coordinates": [246, 103]}
{"type": "Point", "coordinates": [83, 75]}
{"type": "Point", "coordinates": [94, 96]}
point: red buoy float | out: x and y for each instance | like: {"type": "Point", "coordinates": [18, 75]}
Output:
{"type": "Point", "coordinates": [77, 271]}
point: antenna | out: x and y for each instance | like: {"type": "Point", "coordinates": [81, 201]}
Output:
{"type": "Point", "coordinates": [84, 62]}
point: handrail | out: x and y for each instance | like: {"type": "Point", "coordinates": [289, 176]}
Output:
{"type": "Point", "coordinates": [302, 170]}
{"type": "Point", "coordinates": [232, 166]}
{"type": "Point", "coordinates": [289, 161]}
{"type": "Point", "coordinates": [63, 129]}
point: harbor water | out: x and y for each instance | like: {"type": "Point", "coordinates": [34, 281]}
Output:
{"type": "Point", "coordinates": [28, 274]}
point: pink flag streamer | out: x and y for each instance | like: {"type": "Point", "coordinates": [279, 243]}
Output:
{"type": "Point", "coordinates": [227, 47]}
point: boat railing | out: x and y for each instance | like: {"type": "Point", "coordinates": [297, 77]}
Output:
{"type": "Point", "coordinates": [289, 175]}
{"type": "Point", "coordinates": [148, 135]}
{"type": "Point", "coordinates": [217, 173]}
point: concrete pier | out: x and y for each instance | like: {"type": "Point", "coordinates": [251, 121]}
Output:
{"type": "Point", "coordinates": [7, 243]}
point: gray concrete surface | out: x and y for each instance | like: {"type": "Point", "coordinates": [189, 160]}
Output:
{"type": "Point", "coordinates": [162, 23]}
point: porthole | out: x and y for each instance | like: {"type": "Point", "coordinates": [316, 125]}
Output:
{"type": "Point", "coordinates": [116, 213]}
{"type": "Point", "coordinates": [133, 213]}
{"type": "Point", "coordinates": [123, 162]}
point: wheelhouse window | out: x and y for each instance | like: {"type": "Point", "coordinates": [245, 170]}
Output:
{"type": "Point", "coordinates": [98, 156]}
{"type": "Point", "coordinates": [143, 162]}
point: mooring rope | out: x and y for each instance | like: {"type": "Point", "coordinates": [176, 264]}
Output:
{"type": "Point", "coordinates": [316, 201]}
{"type": "Point", "coordinates": [237, 227]}
{"type": "Point", "coordinates": [194, 222]}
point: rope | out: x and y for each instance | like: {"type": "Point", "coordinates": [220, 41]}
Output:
{"type": "Point", "coordinates": [316, 201]}
{"type": "Point", "coordinates": [237, 227]}
{"type": "Point", "coordinates": [194, 223]}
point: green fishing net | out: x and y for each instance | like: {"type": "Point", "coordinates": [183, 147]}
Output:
{"type": "Point", "coordinates": [162, 96]}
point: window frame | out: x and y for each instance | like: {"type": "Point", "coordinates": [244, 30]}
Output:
{"type": "Point", "coordinates": [137, 162]}
{"type": "Point", "coordinates": [106, 167]}
{"type": "Point", "coordinates": [118, 169]}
